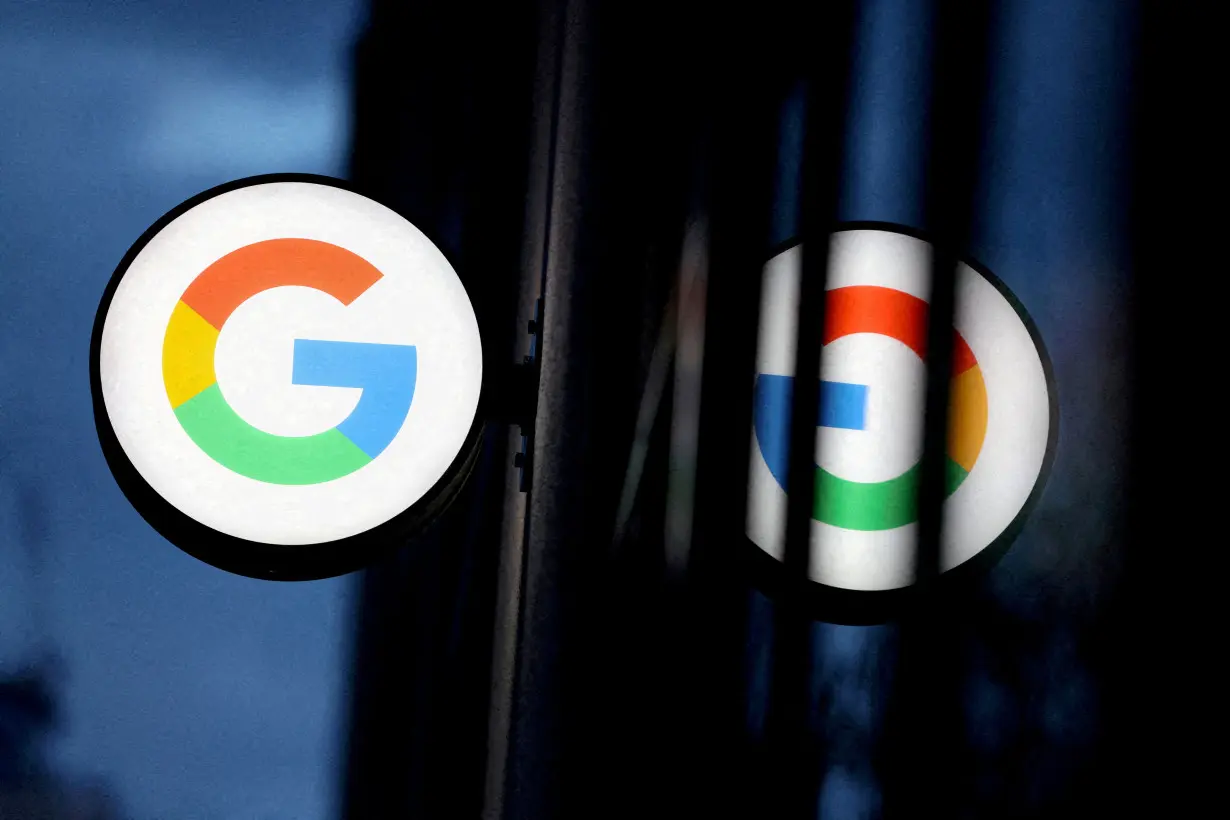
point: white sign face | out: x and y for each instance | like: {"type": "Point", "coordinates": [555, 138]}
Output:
{"type": "Point", "coordinates": [289, 363]}
{"type": "Point", "coordinates": [869, 441]}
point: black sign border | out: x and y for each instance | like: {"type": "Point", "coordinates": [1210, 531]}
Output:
{"type": "Point", "coordinates": [253, 559]}
{"type": "Point", "coordinates": [838, 605]}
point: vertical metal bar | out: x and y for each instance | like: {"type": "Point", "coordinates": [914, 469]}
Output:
{"type": "Point", "coordinates": [1169, 593]}
{"type": "Point", "coordinates": [682, 672]}
{"type": "Point", "coordinates": [648, 417]}
{"type": "Point", "coordinates": [512, 542]}
{"type": "Point", "coordinates": [741, 101]}
{"type": "Point", "coordinates": [538, 781]}
{"type": "Point", "coordinates": [592, 621]}
{"type": "Point", "coordinates": [961, 63]}
{"type": "Point", "coordinates": [689, 355]}
{"type": "Point", "coordinates": [925, 718]}
{"type": "Point", "coordinates": [826, 72]}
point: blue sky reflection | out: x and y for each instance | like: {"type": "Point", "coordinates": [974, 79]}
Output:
{"type": "Point", "coordinates": [196, 693]}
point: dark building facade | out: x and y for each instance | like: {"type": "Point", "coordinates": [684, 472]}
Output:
{"type": "Point", "coordinates": [541, 655]}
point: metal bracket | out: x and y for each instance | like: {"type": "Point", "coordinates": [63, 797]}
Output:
{"type": "Point", "coordinates": [517, 397]}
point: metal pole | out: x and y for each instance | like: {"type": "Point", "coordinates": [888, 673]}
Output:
{"type": "Point", "coordinates": [509, 594]}
{"type": "Point", "coordinates": [538, 775]}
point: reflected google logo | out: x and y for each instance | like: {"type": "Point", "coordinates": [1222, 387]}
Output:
{"type": "Point", "coordinates": [878, 505]}
{"type": "Point", "coordinates": [1003, 418]}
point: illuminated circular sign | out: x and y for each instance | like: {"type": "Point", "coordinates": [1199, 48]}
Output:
{"type": "Point", "coordinates": [1002, 420]}
{"type": "Point", "coordinates": [286, 376]}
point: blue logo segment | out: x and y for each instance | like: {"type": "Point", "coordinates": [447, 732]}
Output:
{"type": "Point", "coordinates": [386, 373]}
{"type": "Point", "coordinates": [842, 405]}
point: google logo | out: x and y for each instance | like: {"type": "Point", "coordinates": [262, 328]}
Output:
{"type": "Point", "coordinates": [385, 372]}
{"type": "Point", "coordinates": [1003, 420]}
{"type": "Point", "coordinates": [286, 377]}
{"type": "Point", "coordinates": [881, 505]}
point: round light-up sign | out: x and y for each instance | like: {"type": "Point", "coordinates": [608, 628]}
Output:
{"type": "Point", "coordinates": [1002, 420]}
{"type": "Point", "coordinates": [286, 376]}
